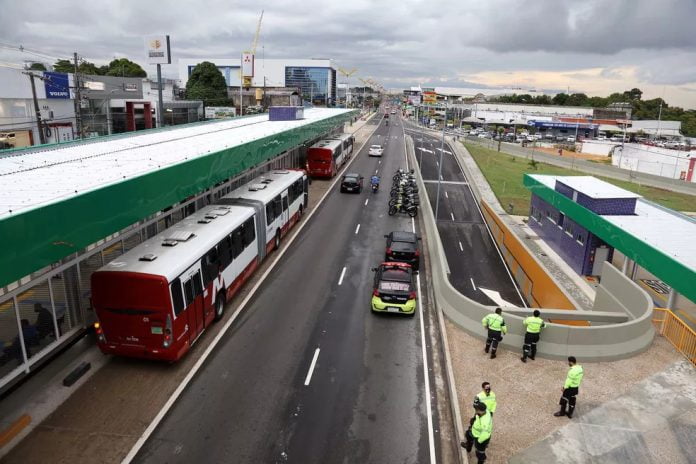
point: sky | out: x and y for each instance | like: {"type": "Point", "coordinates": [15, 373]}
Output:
{"type": "Point", "coordinates": [591, 46]}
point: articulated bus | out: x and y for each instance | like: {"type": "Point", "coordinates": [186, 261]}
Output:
{"type": "Point", "coordinates": [156, 300]}
{"type": "Point", "coordinates": [326, 157]}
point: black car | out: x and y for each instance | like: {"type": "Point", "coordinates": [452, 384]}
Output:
{"type": "Point", "coordinates": [352, 182]}
{"type": "Point", "coordinates": [403, 247]}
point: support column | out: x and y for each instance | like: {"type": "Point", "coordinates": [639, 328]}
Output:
{"type": "Point", "coordinates": [672, 298]}
{"type": "Point", "coordinates": [626, 264]}
{"type": "Point", "coordinates": [634, 270]}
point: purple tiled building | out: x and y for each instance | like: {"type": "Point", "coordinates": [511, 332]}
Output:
{"type": "Point", "coordinates": [580, 248]}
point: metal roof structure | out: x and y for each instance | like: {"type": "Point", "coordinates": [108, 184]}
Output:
{"type": "Point", "coordinates": [657, 238]}
{"type": "Point", "coordinates": [58, 199]}
{"type": "Point", "coordinates": [595, 188]}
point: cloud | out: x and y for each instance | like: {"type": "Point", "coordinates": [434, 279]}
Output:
{"type": "Point", "coordinates": [631, 43]}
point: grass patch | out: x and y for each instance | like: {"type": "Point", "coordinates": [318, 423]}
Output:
{"type": "Point", "coordinates": [504, 173]}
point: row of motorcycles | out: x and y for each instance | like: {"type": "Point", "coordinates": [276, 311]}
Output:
{"type": "Point", "coordinates": [404, 194]}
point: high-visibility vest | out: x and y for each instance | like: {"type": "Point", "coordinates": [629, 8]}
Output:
{"type": "Point", "coordinates": [489, 400]}
{"type": "Point", "coordinates": [534, 324]}
{"type": "Point", "coordinates": [482, 427]}
{"type": "Point", "coordinates": [574, 377]}
{"type": "Point", "coordinates": [494, 322]}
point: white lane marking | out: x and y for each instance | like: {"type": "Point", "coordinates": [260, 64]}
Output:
{"type": "Point", "coordinates": [357, 229]}
{"type": "Point", "coordinates": [376, 171]}
{"type": "Point", "coordinates": [311, 367]}
{"type": "Point", "coordinates": [446, 196]}
{"type": "Point", "coordinates": [437, 163]}
{"type": "Point", "coordinates": [209, 349]}
{"type": "Point", "coordinates": [428, 407]}
{"type": "Point", "coordinates": [379, 161]}
{"type": "Point", "coordinates": [472, 283]}
{"type": "Point", "coordinates": [343, 274]}
{"type": "Point", "coordinates": [496, 297]}
{"type": "Point", "coordinates": [461, 247]}
{"type": "Point", "coordinates": [366, 200]}
{"type": "Point", "coordinates": [452, 215]}
{"type": "Point", "coordinates": [424, 149]}
{"type": "Point", "coordinates": [441, 178]}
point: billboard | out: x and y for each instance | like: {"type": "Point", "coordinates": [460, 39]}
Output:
{"type": "Point", "coordinates": [56, 85]}
{"type": "Point", "coordinates": [429, 97]}
{"type": "Point", "coordinates": [217, 112]}
{"type": "Point", "coordinates": [157, 49]}
{"type": "Point", "coordinates": [414, 100]}
{"type": "Point", "coordinates": [247, 65]}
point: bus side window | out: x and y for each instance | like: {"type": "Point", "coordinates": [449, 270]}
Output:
{"type": "Point", "coordinates": [285, 203]}
{"type": "Point", "coordinates": [188, 292]}
{"type": "Point", "coordinates": [269, 213]}
{"type": "Point", "coordinates": [237, 241]}
{"type": "Point", "coordinates": [197, 285]}
{"type": "Point", "coordinates": [224, 252]}
{"type": "Point", "coordinates": [177, 296]}
{"type": "Point", "coordinates": [277, 207]}
{"type": "Point", "coordinates": [209, 265]}
{"type": "Point", "coordinates": [249, 232]}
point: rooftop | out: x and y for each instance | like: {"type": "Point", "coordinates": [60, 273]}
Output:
{"type": "Point", "coordinates": [594, 188]}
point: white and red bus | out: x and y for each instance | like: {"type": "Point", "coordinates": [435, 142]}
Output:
{"type": "Point", "coordinates": [325, 158]}
{"type": "Point", "coordinates": [155, 300]}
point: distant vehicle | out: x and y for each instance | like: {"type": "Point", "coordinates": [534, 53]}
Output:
{"type": "Point", "coordinates": [570, 139]}
{"type": "Point", "coordinates": [403, 247]}
{"type": "Point", "coordinates": [325, 158]}
{"type": "Point", "coordinates": [601, 137]}
{"type": "Point", "coordinates": [549, 135]}
{"type": "Point", "coordinates": [520, 139]}
{"type": "Point", "coordinates": [394, 290]}
{"type": "Point", "coordinates": [376, 150]}
{"type": "Point", "coordinates": [393, 111]}
{"type": "Point", "coordinates": [484, 135]}
{"type": "Point", "coordinates": [615, 138]}
{"type": "Point", "coordinates": [155, 300]}
{"type": "Point", "coordinates": [537, 136]}
{"type": "Point", "coordinates": [352, 182]}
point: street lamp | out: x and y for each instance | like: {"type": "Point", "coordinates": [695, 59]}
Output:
{"type": "Point", "coordinates": [439, 170]}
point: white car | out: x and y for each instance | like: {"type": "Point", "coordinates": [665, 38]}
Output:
{"type": "Point", "coordinates": [570, 139]}
{"type": "Point", "coordinates": [376, 150]}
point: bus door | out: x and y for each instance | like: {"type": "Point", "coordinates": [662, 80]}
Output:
{"type": "Point", "coordinates": [193, 292]}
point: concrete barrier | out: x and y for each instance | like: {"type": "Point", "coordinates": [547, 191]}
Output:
{"type": "Point", "coordinates": [601, 341]}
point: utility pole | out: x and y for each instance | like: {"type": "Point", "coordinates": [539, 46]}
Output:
{"type": "Point", "coordinates": [39, 123]}
{"type": "Point", "coordinates": [78, 101]}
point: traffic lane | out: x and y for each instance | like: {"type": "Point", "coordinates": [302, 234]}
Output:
{"type": "Point", "coordinates": [429, 160]}
{"type": "Point", "coordinates": [243, 388]}
{"type": "Point", "coordinates": [252, 381]}
{"type": "Point", "coordinates": [456, 203]}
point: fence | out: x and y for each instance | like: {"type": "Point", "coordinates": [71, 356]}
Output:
{"type": "Point", "coordinates": [670, 326]}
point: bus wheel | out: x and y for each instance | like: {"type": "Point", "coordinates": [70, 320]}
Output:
{"type": "Point", "coordinates": [276, 242]}
{"type": "Point", "coordinates": [219, 306]}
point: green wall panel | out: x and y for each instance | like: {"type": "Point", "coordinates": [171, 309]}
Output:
{"type": "Point", "coordinates": [36, 238]}
{"type": "Point", "coordinates": [675, 274]}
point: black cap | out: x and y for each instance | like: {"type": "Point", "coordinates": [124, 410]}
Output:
{"type": "Point", "coordinates": [479, 405]}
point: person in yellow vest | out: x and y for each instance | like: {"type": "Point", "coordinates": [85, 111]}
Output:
{"type": "Point", "coordinates": [487, 397]}
{"type": "Point", "coordinates": [479, 434]}
{"type": "Point", "coordinates": [495, 324]}
{"type": "Point", "coordinates": [570, 388]}
{"type": "Point", "coordinates": [534, 324]}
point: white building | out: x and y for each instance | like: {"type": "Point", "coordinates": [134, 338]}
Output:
{"type": "Point", "coordinates": [316, 78]}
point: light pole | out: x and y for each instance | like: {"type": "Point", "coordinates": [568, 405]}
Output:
{"type": "Point", "coordinates": [439, 170]}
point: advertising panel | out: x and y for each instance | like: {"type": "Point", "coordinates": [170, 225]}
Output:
{"type": "Point", "coordinates": [56, 85]}
{"type": "Point", "coordinates": [247, 65]}
{"type": "Point", "coordinates": [429, 97]}
{"type": "Point", "coordinates": [216, 112]}
{"type": "Point", "coordinates": [414, 100]}
{"type": "Point", "coordinates": [157, 49]}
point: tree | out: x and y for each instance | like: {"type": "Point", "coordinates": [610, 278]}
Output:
{"type": "Point", "coordinates": [64, 66]}
{"type": "Point", "coordinates": [123, 67]}
{"type": "Point", "coordinates": [89, 68]}
{"type": "Point", "coordinates": [560, 99]}
{"type": "Point", "coordinates": [37, 67]}
{"type": "Point", "coordinates": [207, 83]}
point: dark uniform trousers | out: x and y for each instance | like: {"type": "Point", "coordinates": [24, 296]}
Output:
{"type": "Point", "coordinates": [494, 336]}
{"type": "Point", "coordinates": [569, 397]}
{"type": "Point", "coordinates": [471, 441]}
{"type": "Point", "coordinates": [530, 345]}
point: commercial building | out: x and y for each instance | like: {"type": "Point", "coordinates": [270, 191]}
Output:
{"type": "Point", "coordinates": [315, 78]}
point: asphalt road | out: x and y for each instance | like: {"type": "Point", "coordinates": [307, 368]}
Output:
{"type": "Point", "coordinates": [365, 401]}
{"type": "Point", "coordinates": [476, 267]}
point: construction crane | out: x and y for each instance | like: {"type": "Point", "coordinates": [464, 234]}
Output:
{"type": "Point", "coordinates": [247, 80]}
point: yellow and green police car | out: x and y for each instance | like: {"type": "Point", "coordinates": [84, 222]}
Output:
{"type": "Point", "coordinates": [394, 290]}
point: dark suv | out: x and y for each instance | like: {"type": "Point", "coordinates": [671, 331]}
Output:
{"type": "Point", "coordinates": [352, 182]}
{"type": "Point", "coordinates": [403, 247]}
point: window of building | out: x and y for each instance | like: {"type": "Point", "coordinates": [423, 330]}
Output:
{"type": "Point", "coordinates": [580, 238]}
{"type": "Point", "coordinates": [561, 218]}
{"type": "Point", "coordinates": [317, 85]}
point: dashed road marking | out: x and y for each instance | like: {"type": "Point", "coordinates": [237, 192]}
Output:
{"type": "Point", "coordinates": [357, 229]}
{"type": "Point", "coordinates": [452, 215]}
{"type": "Point", "coordinates": [343, 274]}
{"type": "Point", "coordinates": [311, 367]}
{"type": "Point", "coordinates": [366, 200]}
{"type": "Point", "coordinates": [461, 247]}
{"type": "Point", "coordinates": [472, 283]}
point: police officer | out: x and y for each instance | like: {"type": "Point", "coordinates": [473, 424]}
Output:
{"type": "Point", "coordinates": [487, 397]}
{"type": "Point", "coordinates": [534, 324]}
{"type": "Point", "coordinates": [570, 388]}
{"type": "Point", "coordinates": [479, 434]}
{"type": "Point", "coordinates": [495, 324]}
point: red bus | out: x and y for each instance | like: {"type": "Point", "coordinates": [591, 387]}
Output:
{"type": "Point", "coordinates": [156, 300]}
{"type": "Point", "coordinates": [325, 158]}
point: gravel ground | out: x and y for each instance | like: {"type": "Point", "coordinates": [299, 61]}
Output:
{"type": "Point", "coordinates": [528, 393]}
